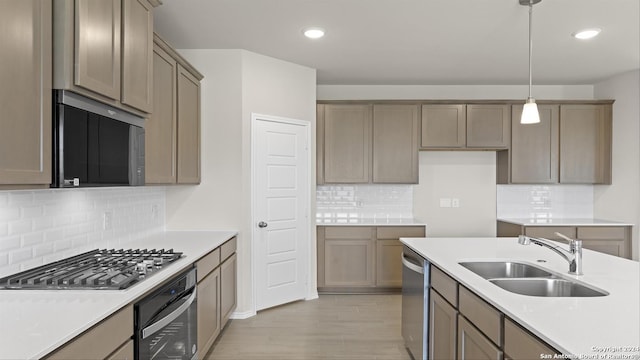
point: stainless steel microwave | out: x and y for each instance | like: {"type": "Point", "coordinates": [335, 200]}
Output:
{"type": "Point", "coordinates": [95, 144]}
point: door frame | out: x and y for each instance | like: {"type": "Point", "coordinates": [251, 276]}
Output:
{"type": "Point", "coordinates": [306, 190]}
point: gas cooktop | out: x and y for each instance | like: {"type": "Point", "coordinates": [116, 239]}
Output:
{"type": "Point", "coordinates": [94, 270]}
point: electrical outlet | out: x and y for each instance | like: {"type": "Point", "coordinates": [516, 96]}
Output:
{"type": "Point", "coordinates": [455, 202]}
{"type": "Point", "coordinates": [154, 212]}
{"type": "Point", "coordinates": [445, 202]}
{"type": "Point", "coordinates": [107, 220]}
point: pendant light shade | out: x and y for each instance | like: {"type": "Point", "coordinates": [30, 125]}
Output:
{"type": "Point", "coordinates": [530, 114]}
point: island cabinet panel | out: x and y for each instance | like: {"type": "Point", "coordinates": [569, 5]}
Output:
{"type": "Point", "coordinates": [444, 126]}
{"type": "Point", "coordinates": [521, 344]}
{"type": "Point", "coordinates": [473, 345]}
{"type": "Point", "coordinates": [534, 147]}
{"type": "Point", "coordinates": [445, 285]}
{"type": "Point", "coordinates": [488, 126]}
{"type": "Point", "coordinates": [585, 144]}
{"type": "Point", "coordinates": [357, 259]}
{"type": "Point", "coordinates": [443, 325]}
{"type": "Point", "coordinates": [347, 143]}
{"type": "Point", "coordinates": [101, 340]}
{"type": "Point", "coordinates": [395, 144]}
{"type": "Point", "coordinates": [25, 98]}
{"type": "Point", "coordinates": [484, 316]}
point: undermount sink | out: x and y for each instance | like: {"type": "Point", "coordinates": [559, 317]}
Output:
{"type": "Point", "coordinates": [547, 287]}
{"type": "Point", "coordinates": [530, 280]}
{"type": "Point", "coordinates": [508, 269]}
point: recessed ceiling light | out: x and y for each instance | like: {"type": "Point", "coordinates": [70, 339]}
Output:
{"type": "Point", "coordinates": [586, 33]}
{"type": "Point", "coordinates": [313, 32]}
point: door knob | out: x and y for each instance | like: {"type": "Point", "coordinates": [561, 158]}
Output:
{"type": "Point", "coordinates": [262, 224]}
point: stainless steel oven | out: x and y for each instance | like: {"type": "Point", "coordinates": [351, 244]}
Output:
{"type": "Point", "coordinates": [166, 321]}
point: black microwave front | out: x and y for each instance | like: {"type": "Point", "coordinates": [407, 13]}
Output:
{"type": "Point", "coordinates": [95, 144]}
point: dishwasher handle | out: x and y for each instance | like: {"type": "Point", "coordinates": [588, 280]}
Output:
{"type": "Point", "coordinates": [410, 264]}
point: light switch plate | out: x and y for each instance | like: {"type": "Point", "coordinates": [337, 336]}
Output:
{"type": "Point", "coordinates": [445, 202]}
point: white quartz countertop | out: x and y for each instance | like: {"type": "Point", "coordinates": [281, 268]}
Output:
{"type": "Point", "coordinates": [562, 222]}
{"type": "Point", "coordinates": [36, 322]}
{"type": "Point", "coordinates": [585, 328]}
{"type": "Point", "coordinates": [369, 222]}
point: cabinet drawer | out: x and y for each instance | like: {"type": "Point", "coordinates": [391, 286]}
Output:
{"type": "Point", "coordinates": [520, 344]}
{"type": "Point", "coordinates": [206, 265]}
{"type": "Point", "coordinates": [548, 232]}
{"type": "Point", "coordinates": [481, 314]}
{"type": "Point", "coordinates": [347, 232]}
{"type": "Point", "coordinates": [473, 345]}
{"type": "Point", "coordinates": [124, 353]}
{"type": "Point", "coordinates": [396, 232]}
{"type": "Point", "coordinates": [227, 249]}
{"type": "Point", "coordinates": [101, 340]}
{"type": "Point", "coordinates": [601, 233]}
{"type": "Point", "coordinates": [445, 285]}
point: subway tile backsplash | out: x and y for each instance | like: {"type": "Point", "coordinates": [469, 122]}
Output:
{"type": "Point", "coordinates": [364, 201]}
{"type": "Point", "coordinates": [41, 226]}
{"type": "Point", "coordinates": [544, 201]}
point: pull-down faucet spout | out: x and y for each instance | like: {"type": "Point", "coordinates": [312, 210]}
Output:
{"type": "Point", "coordinates": [573, 256]}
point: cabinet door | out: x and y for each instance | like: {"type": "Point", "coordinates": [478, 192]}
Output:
{"type": "Point", "coordinates": [97, 63]}
{"type": "Point", "coordinates": [349, 262]}
{"type": "Point", "coordinates": [137, 54]}
{"type": "Point", "coordinates": [519, 344]}
{"type": "Point", "coordinates": [161, 125]}
{"type": "Point", "coordinates": [188, 127]}
{"type": "Point", "coordinates": [473, 345]}
{"type": "Point", "coordinates": [488, 126]}
{"type": "Point", "coordinates": [208, 311]}
{"type": "Point", "coordinates": [549, 232]}
{"type": "Point", "coordinates": [612, 240]}
{"type": "Point", "coordinates": [443, 126]}
{"type": "Point", "coordinates": [534, 147]}
{"type": "Point", "coordinates": [347, 143]}
{"type": "Point", "coordinates": [395, 144]}
{"type": "Point", "coordinates": [124, 353]}
{"type": "Point", "coordinates": [388, 263]}
{"type": "Point", "coordinates": [443, 330]}
{"type": "Point", "coordinates": [25, 98]}
{"type": "Point", "coordinates": [228, 289]}
{"type": "Point", "coordinates": [585, 144]}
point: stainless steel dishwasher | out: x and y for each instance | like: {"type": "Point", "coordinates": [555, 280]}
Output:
{"type": "Point", "coordinates": [415, 303]}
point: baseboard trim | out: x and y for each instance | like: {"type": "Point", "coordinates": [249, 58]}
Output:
{"type": "Point", "coordinates": [242, 315]}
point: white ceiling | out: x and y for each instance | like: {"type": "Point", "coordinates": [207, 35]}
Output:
{"type": "Point", "coordinates": [418, 42]}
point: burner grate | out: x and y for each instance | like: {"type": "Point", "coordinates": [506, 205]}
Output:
{"type": "Point", "coordinates": [96, 269]}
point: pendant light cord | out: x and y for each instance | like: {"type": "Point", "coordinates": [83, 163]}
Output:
{"type": "Point", "coordinates": [530, 44]}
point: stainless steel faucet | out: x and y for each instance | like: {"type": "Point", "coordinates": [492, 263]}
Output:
{"type": "Point", "coordinates": [573, 255]}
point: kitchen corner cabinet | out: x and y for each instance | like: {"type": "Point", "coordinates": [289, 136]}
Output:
{"type": "Point", "coordinates": [216, 278]}
{"type": "Point", "coordinates": [463, 326]}
{"type": "Point", "coordinates": [367, 143]}
{"type": "Point", "coordinates": [465, 126]}
{"type": "Point", "coordinates": [25, 98]}
{"type": "Point", "coordinates": [612, 240]}
{"type": "Point", "coordinates": [116, 70]}
{"type": "Point", "coordinates": [357, 259]}
{"type": "Point", "coordinates": [110, 339]}
{"type": "Point", "coordinates": [172, 131]}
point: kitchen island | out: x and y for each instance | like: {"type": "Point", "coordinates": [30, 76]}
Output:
{"type": "Point", "coordinates": [33, 323]}
{"type": "Point", "coordinates": [604, 327]}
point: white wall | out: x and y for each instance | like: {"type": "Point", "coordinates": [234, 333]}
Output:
{"type": "Point", "coordinates": [238, 83]}
{"type": "Point", "coordinates": [621, 200]}
{"type": "Point", "coordinates": [466, 175]}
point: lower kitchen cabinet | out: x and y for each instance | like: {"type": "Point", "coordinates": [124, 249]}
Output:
{"type": "Point", "coordinates": [519, 344]}
{"type": "Point", "coordinates": [216, 276]}
{"type": "Point", "coordinates": [443, 323]}
{"type": "Point", "coordinates": [612, 240]}
{"type": "Point", "coordinates": [109, 339]}
{"type": "Point", "coordinates": [354, 259]}
{"type": "Point", "coordinates": [473, 345]}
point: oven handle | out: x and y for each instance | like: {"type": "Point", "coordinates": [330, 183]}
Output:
{"type": "Point", "coordinates": [151, 329]}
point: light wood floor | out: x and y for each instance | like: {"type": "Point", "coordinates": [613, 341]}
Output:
{"type": "Point", "coordinates": [335, 327]}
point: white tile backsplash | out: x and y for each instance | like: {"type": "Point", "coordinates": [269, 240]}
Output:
{"type": "Point", "coordinates": [364, 201]}
{"type": "Point", "coordinates": [544, 201]}
{"type": "Point", "coordinates": [41, 226]}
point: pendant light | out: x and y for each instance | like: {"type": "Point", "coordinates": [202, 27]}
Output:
{"type": "Point", "coordinates": [530, 113]}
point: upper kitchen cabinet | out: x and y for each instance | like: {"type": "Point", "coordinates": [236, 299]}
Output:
{"type": "Point", "coordinates": [460, 126]}
{"type": "Point", "coordinates": [367, 143]}
{"type": "Point", "coordinates": [534, 147]}
{"type": "Point", "coordinates": [172, 131]}
{"type": "Point", "coordinates": [585, 143]}
{"type": "Point", "coordinates": [25, 98]}
{"type": "Point", "coordinates": [103, 50]}
{"type": "Point", "coordinates": [570, 145]}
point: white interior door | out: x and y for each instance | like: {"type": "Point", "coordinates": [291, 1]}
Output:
{"type": "Point", "coordinates": [281, 210]}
